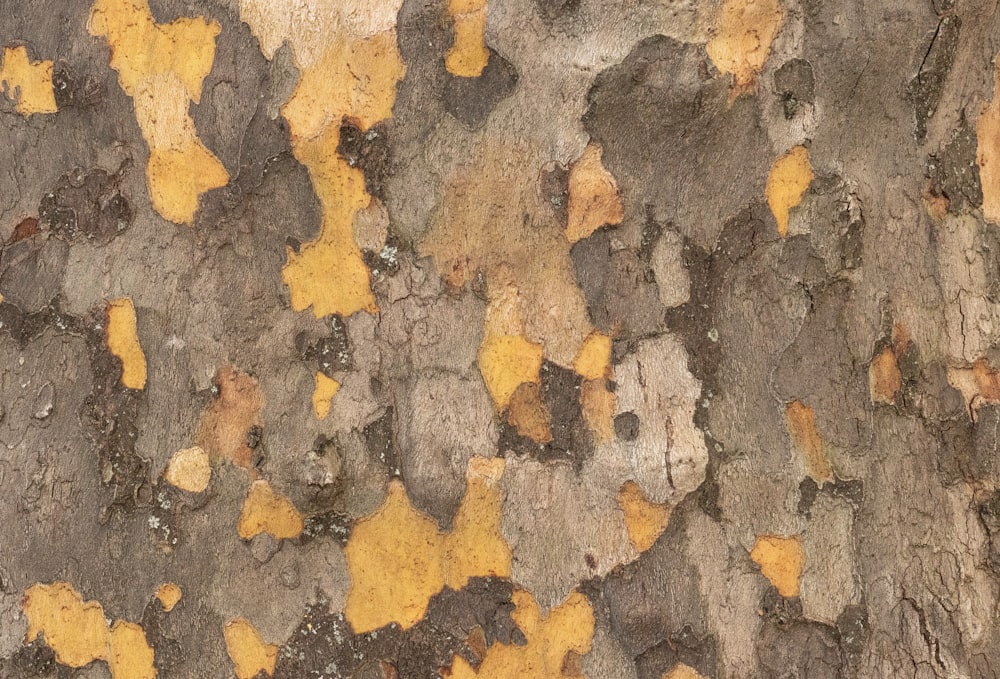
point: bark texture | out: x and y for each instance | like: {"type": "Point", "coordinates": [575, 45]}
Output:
{"type": "Point", "coordinates": [503, 338]}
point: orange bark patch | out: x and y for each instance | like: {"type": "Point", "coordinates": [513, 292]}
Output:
{"type": "Point", "coordinates": [528, 413]}
{"type": "Point", "coordinates": [189, 469]}
{"type": "Point", "coordinates": [884, 378]}
{"type": "Point", "coordinates": [249, 653]}
{"type": "Point", "coordinates": [744, 30]}
{"type": "Point", "coordinates": [225, 423]}
{"type": "Point", "coordinates": [326, 388]}
{"type": "Point", "coordinates": [979, 385]}
{"type": "Point", "coordinates": [551, 641]}
{"type": "Point", "coordinates": [468, 55]}
{"type": "Point", "coordinates": [599, 404]}
{"type": "Point", "coordinates": [398, 558]}
{"type": "Point", "coordinates": [27, 83]}
{"type": "Point", "coordinates": [161, 67]}
{"type": "Point", "coordinates": [169, 595]}
{"type": "Point", "coordinates": [267, 511]}
{"type": "Point", "coordinates": [593, 196]}
{"type": "Point", "coordinates": [594, 360]}
{"type": "Point", "coordinates": [645, 521]}
{"type": "Point", "coordinates": [988, 153]}
{"type": "Point", "coordinates": [788, 180]}
{"type": "Point", "coordinates": [78, 633]}
{"type": "Point", "coordinates": [800, 420]}
{"type": "Point", "coordinates": [781, 560]}
{"type": "Point", "coordinates": [122, 337]}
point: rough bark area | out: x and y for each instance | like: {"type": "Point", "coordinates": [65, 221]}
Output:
{"type": "Point", "coordinates": [499, 338]}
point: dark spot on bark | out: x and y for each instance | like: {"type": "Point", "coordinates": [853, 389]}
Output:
{"type": "Point", "coordinates": [26, 228]}
{"type": "Point", "coordinates": [254, 436]}
{"type": "Point", "coordinates": [332, 353]}
{"type": "Point", "coordinates": [367, 150]}
{"type": "Point", "coordinates": [591, 561]}
{"type": "Point", "coordinates": [652, 231]}
{"type": "Point", "coordinates": [926, 87]}
{"type": "Point", "coordinates": [32, 271]}
{"type": "Point", "coordinates": [384, 263]}
{"type": "Point", "coordinates": [553, 184]}
{"type": "Point", "coordinates": [470, 100]}
{"type": "Point", "coordinates": [851, 490]}
{"type": "Point", "coordinates": [627, 426]}
{"type": "Point", "coordinates": [87, 204]}
{"type": "Point", "coordinates": [953, 171]}
{"type": "Point", "coordinates": [794, 84]}
{"type": "Point", "coordinates": [332, 524]}
{"type": "Point", "coordinates": [552, 10]}
{"type": "Point", "coordinates": [854, 630]}
{"type": "Point", "coordinates": [34, 661]}
{"type": "Point", "coordinates": [380, 438]}
{"type": "Point", "coordinates": [989, 515]}
{"type": "Point", "coordinates": [324, 645]}
{"type": "Point", "coordinates": [789, 646]}
{"type": "Point", "coordinates": [167, 652]}
{"type": "Point", "coordinates": [571, 437]}
{"type": "Point", "coordinates": [619, 287]}
{"type": "Point", "coordinates": [685, 647]}
{"type": "Point", "coordinates": [73, 89]}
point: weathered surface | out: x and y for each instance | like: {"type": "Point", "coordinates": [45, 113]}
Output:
{"type": "Point", "coordinates": [543, 338]}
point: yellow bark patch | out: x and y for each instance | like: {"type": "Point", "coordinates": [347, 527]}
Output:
{"type": "Point", "coordinates": [78, 633]}
{"type": "Point", "coordinates": [645, 521]}
{"type": "Point", "coordinates": [884, 378]}
{"type": "Point", "coordinates": [130, 656]}
{"type": "Point", "coordinates": [800, 420]}
{"type": "Point", "coordinates": [594, 360]}
{"type": "Point", "coordinates": [528, 413]}
{"type": "Point", "coordinates": [75, 630]}
{"type": "Point", "coordinates": [249, 653]}
{"type": "Point", "coordinates": [568, 629]}
{"type": "Point", "coordinates": [398, 558]}
{"type": "Point", "coordinates": [122, 336]}
{"type": "Point", "coordinates": [326, 388]}
{"type": "Point", "coordinates": [682, 671]}
{"type": "Point", "coordinates": [506, 362]}
{"type": "Point", "coordinates": [788, 180]}
{"type": "Point", "coordinates": [189, 469]}
{"type": "Point", "coordinates": [781, 560]}
{"type": "Point", "coordinates": [267, 511]}
{"type": "Point", "coordinates": [161, 67]}
{"type": "Point", "coordinates": [169, 595]}
{"type": "Point", "coordinates": [593, 196]}
{"type": "Point", "coordinates": [744, 30]}
{"type": "Point", "coordinates": [27, 83]}
{"type": "Point", "coordinates": [599, 404]}
{"type": "Point", "coordinates": [222, 429]}
{"type": "Point", "coordinates": [988, 152]}
{"type": "Point", "coordinates": [468, 55]}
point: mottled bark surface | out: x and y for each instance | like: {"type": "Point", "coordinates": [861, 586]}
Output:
{"type": "Point", "coordinates": [527, 338]}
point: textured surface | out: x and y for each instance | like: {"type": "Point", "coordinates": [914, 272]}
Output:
{"type": "Point", "coordinates": [523, 338]}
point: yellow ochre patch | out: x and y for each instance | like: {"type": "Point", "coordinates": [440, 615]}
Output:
{"type": "Point", "coordinates": [781, 560]}
{"type": "Point", "coordinates": [468, 55]}
{"type": "Point", "coordinates": [800, 420]}
{"type": "Point", "coordinates": [189, 469]}
{"type": "Point", "coordinates": [169, 595]}
{"type": "Point", "coordinates": [122, 337]}
{"type": "Point", "coordinates": [593, 196]}
{"type": "Point", "coordinates": [788, 180]}
{"type": "Point", "coordinates": [249, 653]}
{"type": "Point", "coordinates": [326, 388]}
{"type": "Point", "coordinates": [568, 629]}
{"type": "Point", "coordinates": [398, 558]}
{"type": "Point", "coordinates": [161, 67]}
{"type": "Point", "coordinates": [267, 511]}
{"type": "Point", "coordinates": [741, 42]}
{"type": "Point", "coordinates": [27, 83]}
{"type": "Point", "coordinates": [645, 521]}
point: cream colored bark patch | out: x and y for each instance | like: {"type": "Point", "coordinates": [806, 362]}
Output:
{"type": "Point", "coordinates": [988, 153]}
{"type": "Point", "coordinates": [267, 511]}
{"type": "Point", "coordinates": [741, 42]}
{"type": "Point", "coordinates": [189, 469]}
{"type": "Point", "coordinates": [398, 558]}
{"type": "Point", "coordinates": [593, 196]}
{"type": "Point", "coordinates": [468, 55]}
{"type": "Point", "coordinates": [27, 83]}
{"type": "Point", "coordinates": [249, 653]}
{"type": "Point", "coordinates": [122, 337]}
{"type": "Point", "coordinates": [781, 560]}
{"type": "Point", "coordinates": [326, 388]}
{"type": "Point", "coordinates": [568, 629]}
{"type": "Point", "coordinates": [682, 671]}
{"type": "Point", "coordinates": [800, 420]}
{"type": "Point", "coordinates": [78, 633]}
{"type": "Point", "coordinates": [788, 180]}
{"type": "Point", "coordinates": [161, 67]}
{"type": "Point", "coordinates": [644, 520]}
